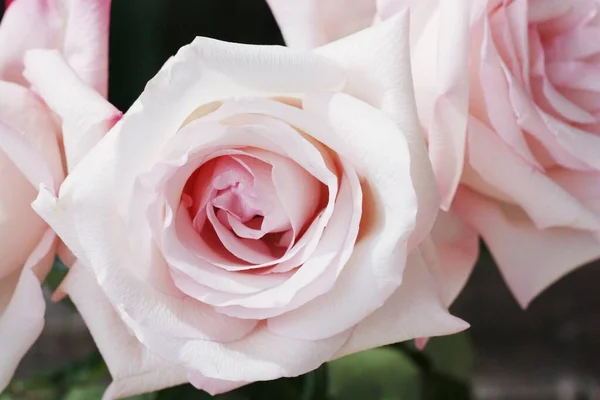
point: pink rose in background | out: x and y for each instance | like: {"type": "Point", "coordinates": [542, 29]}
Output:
{"type": "Point", "coordinates": [507, 93]}
{"type": "Point", "coordinates": [31, 151]}
{"type": "Point", "coordinates": [257, 212]}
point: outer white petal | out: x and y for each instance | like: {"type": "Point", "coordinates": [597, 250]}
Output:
{"type": "Point", "coordinates": [310, 23]}
{"type": "Point", "coordinates": [133, 368]}
{"type": "Point", "coordinates": [379, 73]}
{"type": "Point", "coordinates": [414, 310]}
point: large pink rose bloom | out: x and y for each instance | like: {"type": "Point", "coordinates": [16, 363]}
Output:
{"type": "Point", "coordinates": [508, 94]}
{"type": "Point", "coordinates": [32, 151]}
{"type": "Point", "coordinates": [257, 212]}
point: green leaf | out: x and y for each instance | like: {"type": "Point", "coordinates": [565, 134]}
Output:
{"type": "Point", "coordinates": [315, 384]}
{"type": "Point", "coordinates": [452, 355]}
{"type": "Point", "coordinates": [85, 393]}
{"type": "Point", "coordinates": [382, 374]}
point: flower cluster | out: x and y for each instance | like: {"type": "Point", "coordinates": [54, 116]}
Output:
{"type": "Point", "coordinates": [262, 210]}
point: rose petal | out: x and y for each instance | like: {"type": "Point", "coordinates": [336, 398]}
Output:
{"type": "Point", "coordinates": [133, 368]}
{"type": "Point", "coordinates": [260, 355]}
{"type": "Point", "coordinates": [530, 259]}
{"type": "Point", "coordinates": [213, 386]}
{"type": "Point", "coordinates": [171, 315]}
{"type": "Point", "coordinates": [376, 148]}
{"type": "Point", "coordinates": [386, 84]}
{"type": "Point", "coordinates": [455, 249]}
{"type": "Point", "coordinates": [16, 37]}
{"type": "Point", "coordinates": [311, 23]}
{"type": "Point", "coordinates": [78, 28]}
{"type": "Point", "coordinates": [26, 113]}
{"type": "Point", "coordinates": [86, 41]}
{"type": "Point", "coordinates": [546, 203]}
{"type": "Point", "coordinates": [209, 70]}
{"type": "Point", "coordinates": [21, 321]}
{"type": "Point", "coordinates": [85, 115]}
{"type": "Point", "coordinates": [414, 310]}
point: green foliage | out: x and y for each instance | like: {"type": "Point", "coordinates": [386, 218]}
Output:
{"type": "Point", "coordinates": [383, 374]}
{"type": "Point", "coordinates": [452, 356]}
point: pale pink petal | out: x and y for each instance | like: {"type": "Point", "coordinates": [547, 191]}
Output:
{"type": "Point", "coordinates": [17, 37]}
{"type": "Point", "coordinates": [544, 10]}
{"type": "Point", "coordinates": [21, 228]}
{"type": "Point", "coordinates": [311, 23]}
{"type": "Point", "coordinates": [530, 259]}
{"type": "Point", "coordinates": [133, 368]}
{"type": "Point", "coordinates": [206, 71]}
{"type": "Point", "coordinates": [260, 355]}
{"type": "Point", "coordinates": [86, 115]}
{"type": "Point", "coordinates": [414, 310]}
{"type": "Point", "coordinates": [26, 113]}
{"type": "Point", "coordinates": [260, 133]}
{"type": "Point", "coordinates": [574, 75]}
{"type": "Point", "coordinates": [546, 203]}
{"type": "Point", "coordinates": [28, 162]}
{"type": "Point", "coordinates": [78, 28]}
{"type": "Point", "coordinates": [546, 129]}
{"type": "Point", "coordinates": [170, 315]}
{"type": "Point", "coordinates": [574, 45]}
{"type": "Point", "coordinates": [317, 274]}
{"type": "Point", "coordinates": [252, 251]}
{"type": "Point", "coordinates": [41, 259]}
{"type": "Point", "coordinates": [85, 41]}
{"type": "Point", "coordinates": [455, 244]}
{"type": "Point", "coordinates": [213, 386]}
{"type": "Point", "coordinates": [499, 108]}
{"type": "Point", "coordinates": [21, 320]}
{"type": "Point", "coordinates": [439, 65]}
{"type": "Point", "coordinates": [386, 84]}
{"type": "Point", "coordinates": [376, 148]}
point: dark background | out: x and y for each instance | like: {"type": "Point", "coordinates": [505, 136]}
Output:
{"type": "Point", "coordinates": [550, 351]}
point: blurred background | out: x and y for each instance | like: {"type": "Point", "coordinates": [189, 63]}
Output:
{"type": "Point", "coordinates": [550, 351]}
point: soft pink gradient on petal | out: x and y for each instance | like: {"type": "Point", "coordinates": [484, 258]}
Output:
{"type": "Point", "coordinates": [29, 117]}
{"type": "Point", "coordinates": [21, 319]}
{"type": "Point", "coordinates": [133, 368]}
{"type": "Point", "coordinates": [530, 259]}
{"type": "Point", "coordinates": [21, 229]}
{"type": "Point", "coordinates": [414, 310]}
{"type": "Point", "coordinates": [455, 245]}
{"type": "Point", "coordinates": [85, 40]}
{"type": "Point", "coordinates": [311, 23]}
{"type": "Point", "coordinates": [213, 386]}
{"type": "Point", "coordinates": [78, 28]}
{"type": "Point", "coordinates": [386, 84]}
{"type": "Point", "coordinates": [86, 116]}
{"type": "Point", "coordinates": [494, 161]}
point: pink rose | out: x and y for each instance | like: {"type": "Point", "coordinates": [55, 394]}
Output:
{"type": "Point", "coordinates": [257, 212]}
{"type": "Point", "coordinates": [507, 93]}
{"type": "Point", "coordinates": [31, 144]}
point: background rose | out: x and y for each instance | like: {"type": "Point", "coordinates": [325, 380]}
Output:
{"type": "Point", "coordinates": [257, 212]}
{"type": "Point", "coordinates": [509, 87]}
{"type": "Point", "coordinates": [30, 155]}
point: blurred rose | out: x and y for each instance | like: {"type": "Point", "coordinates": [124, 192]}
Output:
{"type": "Point", "coordinates": [258, 212]}
{"type": "Point", "coordinates": [31, 152]}
{"type": "Point", "coordinates": [510, 87]}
